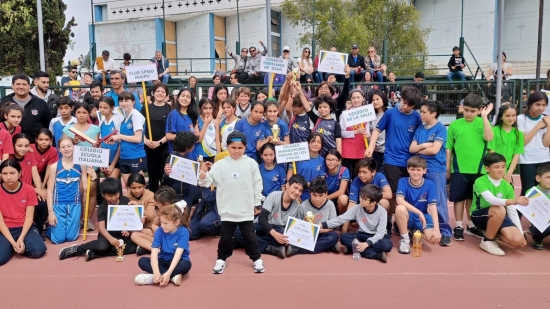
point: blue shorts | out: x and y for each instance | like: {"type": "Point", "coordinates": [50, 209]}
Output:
{"type": "Point", "coordinates": [415, 223]}
{"type": "Point", "coordinates": [480, 218]}
{"type": "Point", "coordinates": [462, 186]}
{"type": "Point", "coordinates": [133, 166]}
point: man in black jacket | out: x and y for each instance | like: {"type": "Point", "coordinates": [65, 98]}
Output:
{"type": "Point", "coordinates": [42, 90]}
{"type": "Point", "coordinates": [456, 63]}
{"type": "Point", "coordinates": [36, 113]}
{"type": "Point", "coordinates": [356, 63]}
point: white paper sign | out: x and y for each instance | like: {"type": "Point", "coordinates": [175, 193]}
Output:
{"type": "Point", "coordinates": [124, 217]}
{"type": "Point", "coordinates": [332, 62]}
{"type": "Point", "coordinates": [538, 210]}
{"type": "Point", "coordinates": [91, 156]}
{"type": "Point", "coordinates": [301, 233]}
{"type": "Point", "coordinates": [292, 152]}
{"type": "Point", "coordinates": [358, 115]}
{"type": "Point", "coordinates": [184, 170]}
{"type": "Point", "coordinates": [274, 65]}
{"type": "Point", "coordinates": [145, 73]}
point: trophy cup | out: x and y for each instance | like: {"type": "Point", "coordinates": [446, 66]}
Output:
{"type": "Point", "coordinates": [295, 75]}
{"type": "Point", "coordinates": [120, 250]}
{"type": "Point", "coordinates": [276, 130]}
{"type": "Point", "coordinates": [310, 217]}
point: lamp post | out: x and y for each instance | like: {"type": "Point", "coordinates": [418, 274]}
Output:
{"type": "Point", "coordinates": [268, 17]}
{"type": "Point", "coordinates": [40, 35]}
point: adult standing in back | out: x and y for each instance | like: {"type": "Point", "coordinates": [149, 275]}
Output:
{"type": "Point", "coordinates": [36, 114]}
{"type": "Point", "coordinates": [163, 67]}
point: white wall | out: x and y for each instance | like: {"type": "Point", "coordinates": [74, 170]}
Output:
{"type": "Point", "coordinates": [193, 41]}
{"type": "Point", "coordinates": [291, 35]}
{"type": "Point", "coordinates": [253, 29]}
{"type": "Point", "coordinates": [134, 37]}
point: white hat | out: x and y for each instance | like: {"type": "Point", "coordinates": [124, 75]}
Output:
{"type": "Point", "coordinates": [175, 92]}
{"type": "Point", "coordinates": [286, 48]}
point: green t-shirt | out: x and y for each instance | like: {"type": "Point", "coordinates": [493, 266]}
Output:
{"type": "Point", "coordinates": [503, 190]}
{"type": "Point", "coordinates": [507, 144]}
{"type": "Point", "coordinates": [465, 140]}
{"type": "Point", "coordinates": [528, 193]}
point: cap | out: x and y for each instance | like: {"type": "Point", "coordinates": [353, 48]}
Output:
{"type": "Point", "coordinates": [286, 48]}
{"type": "Point", "coordinates": [175, 92]}
{"type": "Point", "coordinates": [354, 46]}
{"type": "Point", "coordinates": [271, 99]}
{"type": "Point", "coordinates": [236, 136]}
{"type": "Point", "coordinates": [105, 53]}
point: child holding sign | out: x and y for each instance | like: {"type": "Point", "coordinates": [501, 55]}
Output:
{"type": "Point", "coordinates": [543, 179]}
{"type": "Point", "coordinates": [354, 137]}
{"type": "Point", "coordinates": [64, 203]}
{"type": "Point", "coordinates": [312, 168]}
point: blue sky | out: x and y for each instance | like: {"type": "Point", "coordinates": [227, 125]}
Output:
{"type": "Point", "coordinates": [81, 11]}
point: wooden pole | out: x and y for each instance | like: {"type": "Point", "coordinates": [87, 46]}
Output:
{"type": "Point", "coordinates": [147, 110]}
{"type": "Point", "coordinates": [294, 167]}
{"type": "Point", "coordinates": [86, 208]}
{"type": "Point", "coordinates": [271, 77]}
{"type": "Point", "coordinates": [366, 142]}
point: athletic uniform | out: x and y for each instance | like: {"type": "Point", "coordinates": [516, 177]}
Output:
{"type": "Point", "coordinates": [329, 128]}
{"type": "Point", "coordinates": [207, 147]}
{"type": "Point", "coordinates": [6, 144]}
{"type": "Point", "coordinates": [420, 197]}
{"type": "Point", "coordinates": [44, 158]}
{"type": "Point", "coordinates": [92, 132]}
{"type": "Point", "coordinates": [57, 126]}
{"type": "Point", "coordinates": [310, 169]}
{"type": "Point", "coordinates": [106, 127]}
{"type": "Point", "coordinates": [273, 179]}
{"type": "Point", "coordinates": [15, 130]}
{"type": "Point", "coordinates": [178, 122]}
{"type": "Point", "coordinates": [283, 129]}
{"type": "Point", "coordinates": [327, 240]}
{"type": "Point", "coordinates": [299, 128]}
{"type": "Point", "coordinates": [253, 134]}
{"type": "Point", "coordinates": [132, 155]}
{"type": "Point", "coordinates": [379, 180]}
{"type": "Point", "coordinates": [225, 129]}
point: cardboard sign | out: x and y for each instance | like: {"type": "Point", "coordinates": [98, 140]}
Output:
{"type": "Point", "coordinates": [292, 152]}
{"type": "Point", "coordinates": [358, 115]}
{"type": "Point", "coordinates": [141, 73]}
{"type": "Point", "coordinates": [91, 156]}
{"type": "Point", "coordinates": [332, 62]}
{"type": "Point", "coordinates": [274, 65]}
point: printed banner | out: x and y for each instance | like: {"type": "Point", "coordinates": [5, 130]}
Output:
{"type": "Point", "coordinates": [292, 152]}
{"type": "Point", "coordinates": [301, 233]}
{"type": "Point", "coordinates": [538, 210]}
{"type": "Point", "coordinates": [332, 62]}
{"type": "Point", "coordinates": [184, 170]}
{"type": "Point", "coordinates": [274, 65]}
{"type": "Point", "coordinates": [141, 73]}
{"type": "Point", "coordinates": [91, 156]}
{"type": "Point", "coordinates": [358, 115]}
{"type": "Point", "coordinates": [124, 218]}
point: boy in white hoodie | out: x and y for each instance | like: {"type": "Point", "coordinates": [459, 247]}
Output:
{"type": "Point", "coordinates": [239, 194]}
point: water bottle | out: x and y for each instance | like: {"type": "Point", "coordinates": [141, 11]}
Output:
{"type": "Point", "coordinates": [356, 254]}
{"type": "Point", "coordinates": [417, 244]}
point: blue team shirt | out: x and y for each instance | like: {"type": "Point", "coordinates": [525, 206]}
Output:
{"type": "Point", "coordinates": [113, 95]}
{"type": "Point", "coordinates": [420, 197]}
{"type": "Point", "coordinates": [67, 185]}
{"type": "Point", "coordinates": [57, 127]}
{"type": "Point", "coordinates": [379, 179]}
{"type": "Point", "coordinates": [400, 129]}
{"type": "Point", "coordinates": [273, 179]}
{"type": "Point", "coordinates": [169, 243]}
{"type": "Point", "coordinates": [333, 181]}
{"type": "Point", "coordinates": [135, 121]}
{"type": "Point", "coordinates": [253, 133]}
{"type": "Point", "coordinates": [106, 129]}
{"type": "Point", "coordinates": [435, 134]}
{"type": "Point", "coordinates": [283, 127]}
{"type": "Point", "coordinates": [310, 169]}
{"type": "Point", "coordinates": [178, 122]}
{"type": "Point", "coordinates": [299, 128]}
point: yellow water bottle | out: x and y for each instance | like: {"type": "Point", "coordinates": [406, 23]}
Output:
{"type": "Point", "coordinates": [417, 244]}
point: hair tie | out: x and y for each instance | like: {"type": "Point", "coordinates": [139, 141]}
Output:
{"type": "Point", "coordinates": [236, 139]}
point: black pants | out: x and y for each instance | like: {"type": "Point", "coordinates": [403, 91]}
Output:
{"type": "Point", "coordinates": [527, 174]}
{"type": "Point", "coordinates": [103, 247]}
{"type": "Point", "coordinates": [182, 268]}
{"type": "Point", "coordinates": [156, 159]}
{"type": "Point", "coordinates": [225, 246]}
{"type": "Point", "coordinates": [40, 216]}
{"type": "Point", "coordinates": [350, 165]}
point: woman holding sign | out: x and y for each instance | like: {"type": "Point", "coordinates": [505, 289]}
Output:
{"type": "Point", "coordinates": [354, 137]}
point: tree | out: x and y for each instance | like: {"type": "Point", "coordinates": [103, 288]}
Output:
{"type": "Point", "coordinates": [19, 50]}
{"type": "Point", "coordinates": [341, 23]}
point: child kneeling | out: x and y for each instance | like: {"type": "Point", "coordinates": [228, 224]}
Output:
{"type": "Point", "coordinates": [372, 219]}
{"type": "Point", "coordinates": [107, 241]}
{"type": "Point", "coordinates": [169, 259]}
{"type": "Point", "coordinates": [543, 178]}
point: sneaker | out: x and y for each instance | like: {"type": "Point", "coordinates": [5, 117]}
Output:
{"type": "Point", "coordinates": [474, 231]}
{"type": "Point", "coordinates": [445, 241]}
{"type": "Point", "coordinates": [381, 256]}
{"type": "Point", "coordinates": [531, 230]}
{"type": "Point", "coordinates": [219, 267]}
{"type": "Point", "coordinates": [142, 251]}
{"type": "Point", "coordinates": [458, 233]}
{"type": "Point", "coordinates": [276, 251]}
{"type": "Point", "coordinates": [144, 279]}
{"type": "Point", "coordinates": [292, 250]}
{"type": "Point", "coordinates": [176, 280]}
{"type": "Point", "coordinates": [91, 226]}
{"type": "Point", "coordinates": [335, 248]}
{"type": "Point", "coordinates": [404, 246]}
{"type": "Point", "coordinates": [259, 266]}
{"type": "Point", "coordinates": [90, 255]}
{"type": "Point", "coordinates": [347, 250]}
{"type": "Point", "coordinates": [491, 247]}
{"type": "Point", "coordinates": [537, 244]}
{"type": "Point", "coordinates": [68, 252]}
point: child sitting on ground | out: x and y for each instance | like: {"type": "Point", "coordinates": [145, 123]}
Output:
{"type": "Point", "coordinates": [543, 179]}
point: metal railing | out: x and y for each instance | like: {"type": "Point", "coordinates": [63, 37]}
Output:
{"type": "Point", "coordinates": [189, 61]}
{"type": "Point", "coordinates": [478, 69]}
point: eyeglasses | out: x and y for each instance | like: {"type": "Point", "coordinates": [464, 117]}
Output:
{"type": "Point", "coordinates": [307, 51]}
{"type": "Point", "coordinates": [371, 51]}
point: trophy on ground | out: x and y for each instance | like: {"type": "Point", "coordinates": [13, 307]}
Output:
{"type": "Point", "coordinates": [120, 250]}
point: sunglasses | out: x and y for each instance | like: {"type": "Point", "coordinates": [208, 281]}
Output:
{"type": "Point", "coordinates": [286, 51]}
{"type": "Point", "coordinates": [307, 51]}
{"type": "Point", "coordinates": [73, 71]}
{"type": "Point", "coordinates": [252, 50]}
{"type": "Point", "coordinates": [371, 51]}
{"type": "Point", "coordinates": [244, 51]}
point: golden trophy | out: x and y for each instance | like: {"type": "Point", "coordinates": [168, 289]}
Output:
{"type": "Point", "coordinates": [275, 130]}
{"type": "Point", "coordinates": [310, 217]}
{"type": "Point", "coordinates": [295, 75]}
{"type": "Point", "coordinates": [120, 250]}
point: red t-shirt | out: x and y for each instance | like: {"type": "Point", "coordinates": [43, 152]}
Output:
{"type": "Point", "coordinates": [13, 205]}
{"type": "Point", "coordinates": [43, 159]}
{"type": "Point", "coordinates": [27, 163]}
{"type": "Point", "coordinates": [16, 130]}
{"type": "Point", "coordinates": [6, 145]}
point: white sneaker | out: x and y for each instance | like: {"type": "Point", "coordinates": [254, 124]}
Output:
{"type": "Point", "coordinates": [144, 279]}
{"type": "Point", "coordinates": [176, 280]}
{"type": "Point", "coordinates": [219, 267]}
{"type": "Point", "coordinates": [259, 266]}
{"type": "Point", "coordinates": [491, 247]}
{"type": "Point", "coordinates": [91, 226]}
{"type": "Point", "coordinates": [404, 246]}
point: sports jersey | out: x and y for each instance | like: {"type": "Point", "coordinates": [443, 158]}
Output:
{"type": "Point", "coordinates": [373, 223]}
{"type": "Point", "coordinates": [92, 132]}
{"type": "Point", "coordinates": [45, 158]}
{"type": "Point", "coordinates": [299, 128]}
{"type": "Point", "coordinates": [534, 151]}
{"type": "Point", "coordinates": [253, 134]}
{"type": "Point", "coordinates": [106, 127]}
{"type": "Point", "coordinates": [277, 214]}
{"type": "Point", "coordinates": [324, 213]}
{"type": "Point", "coordinates": [27, 163]}
{"type": "Point", "coordinates": [329, 128]}
{"type": "Point", "coordinates": [242, 113]}
{"type": "Point", "coordinates": [400, 128]}
{"type": "Point", "coordinates": [132, 123]}
{"type": "Point", "coordinates": [114, 95]}
{"type": "Point", "coordinates": [283, 129]}
{"type": "Point", "coordinates": [168, 243]}
{"type": "Point", "coordinates": [178, 122]}
{"type": "Point", "coordinates": [225, 129]}
{"type": "Point", "coordinates": [13, 205]}
{"type": "Point", "coordinates": [67, 185]}
{"type": "Point", "coordinates": [419, 196]}
{"type": "Point", "coordinates": [465, 140]}
{"type": "Point", "coordinates": [310, 169]}
{"type": "Point", "coordinates": [436, 134]}
{"type": "Point", "coordinates": [503, 190]}
{"type": "Point", "coordinates": [272, 179]}
{"type": "Point", "coordinates": [57, 126]}
{"type": "Point", "coordinates": [507, 144]}
{"type": "Point", "coordinates": [207, 147]}
{"type": "Point", "coordinates": [333, 181]}
{"type": "Point", "coordinates": [15, 131]}
{"type": "Point", "coordinates": [355, 188]}
{"type": "Point", "coordinates": [6, 144]}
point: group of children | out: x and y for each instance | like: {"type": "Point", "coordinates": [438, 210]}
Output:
{"type": "Point", "coordinates": [394, 182]}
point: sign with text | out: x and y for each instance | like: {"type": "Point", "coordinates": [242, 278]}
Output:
{"type": "Point", "coordinates": [274, 65]}
{"type": "Point", "coordinates": [301, 233]}
{"type": "Point", "coordinates": [332, 62]}
{"type": "Point", "coordinates": [124, 218]}
{"type": "Point", "coordinates": [184, 170]}
{"type": "Point", "coordinates": [538, 210]}
{"type": "Point", "coordinates": [292, 152]}
{"type": "Point", "coordinates": [141, 73]}
{"type": "Point", "coordinates": [91, 156]}
{"type": "Point", "coordinates": [358, 115]}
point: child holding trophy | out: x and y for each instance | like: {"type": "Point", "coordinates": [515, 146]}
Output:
{"type": "Point", "coordinates": [275, 126]}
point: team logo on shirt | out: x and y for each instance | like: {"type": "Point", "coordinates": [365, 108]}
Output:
{"type": "Point", "coordinates": [129, 126]}
{"type": "Point", "coordinates": [275, 178]}
{"type": "Point", "coordinates": [28, 162]}
{"type": "Point", "coordinates": [423, 197]}
{"type": "Point", "coordinates": [210, 128]}
{"type": "Point", "coordinates": [318, 167]}
{"type": "Point", "coordinates": [23, 201]}
{"type": "Point", "coordinates": [258, 133]}
{"type": "Point", "coordinates": [296, 126]}
{"type": "Point", "coordinates": [276, 215]}
{"type": "Point", "coordinates": [175, 244]}
{"type": "Point", "coordinates": [364, 220]}
{"type": "Point", "coordinates": [319, 216]}
{"type": "Point", "coordinates": [191, 127]}
{"type": "Point", "coordinates": [431, 138]}
{"type": "Point", "coordinates": [229, 129]}
{"type": "Point", "coordinates": [411, 129]}
{"type": "Point", "coordinates": [499, 195]}
{"type": "Point", "coordinates": [480, 131]}
{"type": "Point", "coordinates": [0, 142]}
{"type": "Point", "coordinates": [34, 112]}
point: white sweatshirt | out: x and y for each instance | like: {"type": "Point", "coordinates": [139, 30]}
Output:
{"type": "Point", "coordinates": [239, 187]}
